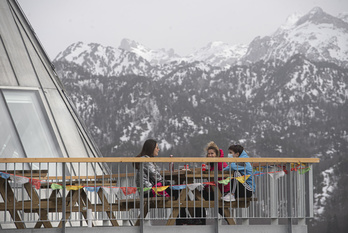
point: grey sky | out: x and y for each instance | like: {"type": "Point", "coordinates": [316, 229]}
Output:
{"type": "Point", "coordinates": [184, 25]}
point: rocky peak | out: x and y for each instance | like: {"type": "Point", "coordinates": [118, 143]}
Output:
{"type": "Point", "coordinates": [129, 45]}
{"type": "Point", "coordinates": [291, 21]}
{"type": "Point", "coordinates": [318, 16]}
{"type": "Point", "coordinates": [317, 35]}
{"type": "Point", "coordinates": [343, 16]}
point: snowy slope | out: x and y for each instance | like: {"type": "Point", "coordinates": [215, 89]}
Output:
{"type": "Point", "coordinates": [218, 53]}
{"type": "Point", "coordinates": [155, 57]}
{"type": "Point", "coordinates": [316, 35]}
{"type": "Point", "coordinates": [104, 61]}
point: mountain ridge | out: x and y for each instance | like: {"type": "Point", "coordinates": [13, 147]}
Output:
{"type": "Point", "coordinates": [281, 100]}
{"type": "Point", "coordinates": [317, 35]}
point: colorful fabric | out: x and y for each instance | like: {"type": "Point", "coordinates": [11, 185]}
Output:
{"type": "Point", "coordinates": [73, 187]}
{"type": "Point", "coordinates": [257, 173]}
{"type": "Point", "coordinates": [225, 181]}
{"type": "Point", "coordinates": [210, 183]}
{"type": "Point", "coordinates": [111, 190]}
{"type": "Point", "coordinates": [259, 168]}
{"type": "Point", "coordinates": [145, 189]}
{"type": "Point", "coordinates": [56, 186]}
{"type": "Point", "coordinates": [19, 179]}
{"type": "Point", "coordinates": [158, 189]}
{"type": "Point", "coordinates": [36, 183]}
{"type": "Point", "coordinates": [128, 190]}
{"type": "Point", "coordinates": [294, 168]}
{"type": "Point", "coordinates": [277, 175]}
{"type": "Point", "coordinates": [178, 187]}
{"type": "Point", "coordinates": [4, 175]}
{"type": "Point", "coordinates": [284, 169]}
{"type": "Point", "coordinates": [304, 170]}
{"type": "Point", "coordinates": [194, 186]}
{"type": "Point", "coordinates": [92, 189]}
{"type": "Point", "coordinates": [242, 179]}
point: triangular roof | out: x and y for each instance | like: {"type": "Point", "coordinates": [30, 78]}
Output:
{"type": "Point", "coordinates": [24, 68]}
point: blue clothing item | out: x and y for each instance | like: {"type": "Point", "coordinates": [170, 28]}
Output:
{"type": "Point", "coordinates": [244, 169]}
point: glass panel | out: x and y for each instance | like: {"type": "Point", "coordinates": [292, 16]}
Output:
{"type": "Point", "coordinates": [10, 146]}
{"type": "Point", "coordinates": [6, 72]}
{"type": "Point", "coordinates": [32, 124]}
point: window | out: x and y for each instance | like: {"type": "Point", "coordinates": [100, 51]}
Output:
{"type": "Point", "coordinates": [25, 128]}
{"type": "Point", "coordinates": [9, 142]}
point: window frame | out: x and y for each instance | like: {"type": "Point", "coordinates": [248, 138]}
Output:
{"type": "Point", "coordinates": [43, 105]}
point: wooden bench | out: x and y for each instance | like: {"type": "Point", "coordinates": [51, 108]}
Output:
{"type": "Point", "coordinates": [182, 202]}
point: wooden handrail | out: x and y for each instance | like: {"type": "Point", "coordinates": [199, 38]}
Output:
{"type": "Point", "coordinates": [158, 159]}
{"type": "Point", "coordinates": [28, 173]}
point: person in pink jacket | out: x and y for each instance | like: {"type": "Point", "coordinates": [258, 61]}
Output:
{"type": "Point", "coordinates": [213, 150]}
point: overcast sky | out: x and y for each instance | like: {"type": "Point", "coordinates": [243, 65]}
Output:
{"type": "Point", "coordinates": [184, 25]}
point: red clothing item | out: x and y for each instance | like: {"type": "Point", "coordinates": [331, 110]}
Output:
{"type": "Point", "coordinates": [221, 166]}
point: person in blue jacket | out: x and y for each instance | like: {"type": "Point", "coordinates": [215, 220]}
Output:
{"type": "Point", "coordinates": [243, 189]}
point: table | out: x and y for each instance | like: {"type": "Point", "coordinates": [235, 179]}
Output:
{"type": "Point", "coordinates": [11, 204]}
{"type": "Point", "coordinates": [78, 200]}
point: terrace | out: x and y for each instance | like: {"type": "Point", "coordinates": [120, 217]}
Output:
{"type": "Point", "coordinates": [60, 195]}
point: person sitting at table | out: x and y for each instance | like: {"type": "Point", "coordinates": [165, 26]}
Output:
{"type": "Point", "coordinates": [152, 176]}
{"type": "Point", "coordinates": [245, 189]}
{"type": "Point", "coordinates": [151, 172]}
{"type": "Point", "coordinates": [213, 151]}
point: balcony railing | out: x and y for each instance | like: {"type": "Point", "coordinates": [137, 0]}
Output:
{"type": "Point", "coordinates": [76, 192]}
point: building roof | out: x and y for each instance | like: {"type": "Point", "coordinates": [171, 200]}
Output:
{"type": "Point", "coordinates": [25, 68]}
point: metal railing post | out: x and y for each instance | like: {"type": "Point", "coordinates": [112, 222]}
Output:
{"type": "Point", "coordinates": [290, 198]}
{"type": "Point", "coordinates": [274, 197]}
{"type": "Point", "coordinates": [64, 198]}
{"type": "Point", "coordinates": [300, 196]}
{"type": "Point", "coordinates": [216, 201]}
{"type": "Point", "coordinates": [310, 191]}
{"type": "Point", "coordinates": [141, 199]}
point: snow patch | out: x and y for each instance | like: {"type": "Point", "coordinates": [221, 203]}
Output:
{"type": "Point", "coordinates": [164, 145]}
{"type": "Point", "coordinates": [329, 184]}
{"type": "Point", "coordinates": [144, 135]}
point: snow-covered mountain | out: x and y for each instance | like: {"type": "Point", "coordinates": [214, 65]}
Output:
{"type": "Point", "coordinates": [218, 53]}
{"type": "Point", "coordinates": [316, 35]}
{"type": "Point", "coordinates": [343, 16]}
{"type": "Point", "coordinates": [289, 98]}
{"type": "Point", "coordinates": [155, 57]}
{"type": "Point", "coordinates": [106, 61]}
{"type": "Point", "coordinates": [215, 53]}
{"type": "Point", "coordinates": [134, 58]}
